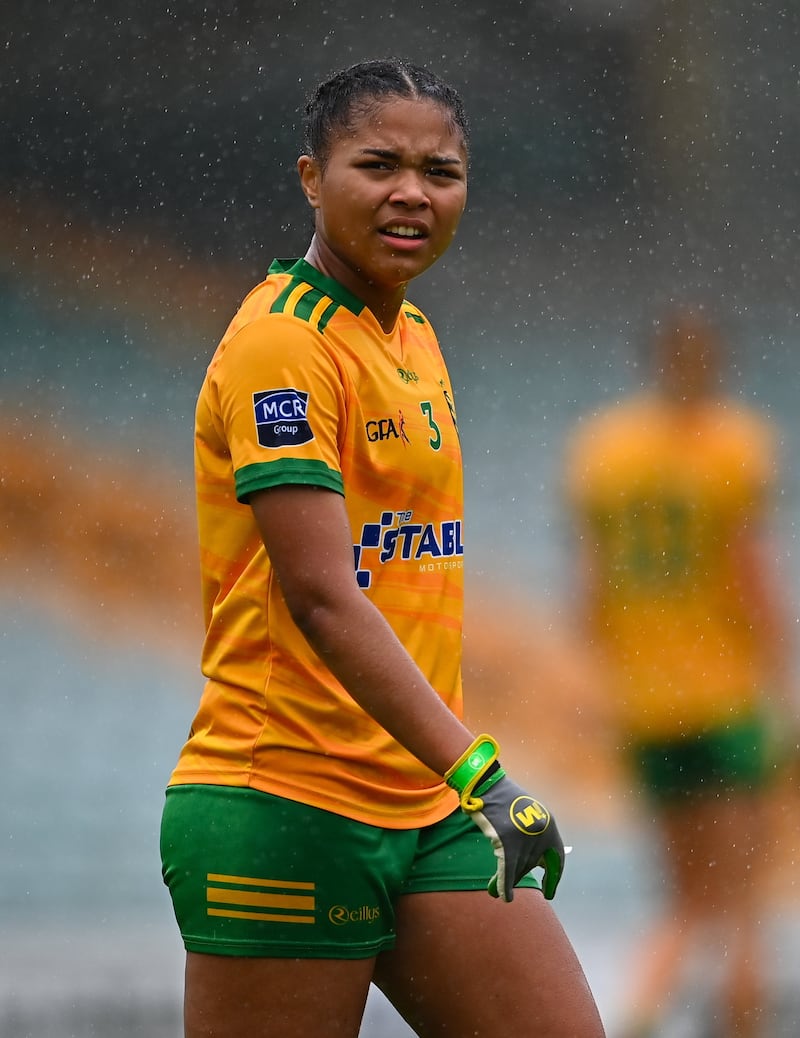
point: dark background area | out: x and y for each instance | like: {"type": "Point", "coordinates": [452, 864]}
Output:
{"type": "Point", "coordinates": [650, 146]}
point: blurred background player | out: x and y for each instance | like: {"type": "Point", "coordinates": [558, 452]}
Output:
{"type": "Point", "coordinates": [672, 490]}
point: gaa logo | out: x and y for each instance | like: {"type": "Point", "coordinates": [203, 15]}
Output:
{"type": "Point", "coordinates": [529, 816]}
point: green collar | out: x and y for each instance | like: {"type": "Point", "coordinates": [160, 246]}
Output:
{"type": "Point", "coordinates": [303, 271]}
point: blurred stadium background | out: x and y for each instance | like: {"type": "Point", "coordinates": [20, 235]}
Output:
{"type": "Point", "coordinates": [625, 154]}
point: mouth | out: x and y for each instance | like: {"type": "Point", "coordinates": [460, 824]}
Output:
{"type": "Point", "coordinates": [403, 232]}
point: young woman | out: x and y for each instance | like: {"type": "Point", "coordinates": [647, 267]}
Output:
{"type": "Point", "coordinates": [331, 821]}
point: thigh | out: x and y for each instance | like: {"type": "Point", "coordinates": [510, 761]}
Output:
{"type": "Point", "coordinates": [465, 963]}
{"type": "Point", "coordinates": [228, 997]}
{"type": "Point", "coordinates": [257, 876]}
{"type": "Point", "coordinates": [710, 843]}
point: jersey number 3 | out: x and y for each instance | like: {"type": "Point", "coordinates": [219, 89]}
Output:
{"type": "Point", "coordinates": [436, 434]}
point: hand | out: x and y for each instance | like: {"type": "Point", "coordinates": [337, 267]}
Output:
{"type": "Point", "coordinates": [522, 831]}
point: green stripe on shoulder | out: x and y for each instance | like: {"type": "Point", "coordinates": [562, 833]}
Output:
{"type": "Point", "coordinates": [299, 270]}
{"type": "Point", "coordinates": [279, 304]}
{"type": "Point", "coordinates": [326, 316]}
{"type": "Point", "coordinates": [305, 305]}
{"type": "Point", "coordinates": [286, 471]}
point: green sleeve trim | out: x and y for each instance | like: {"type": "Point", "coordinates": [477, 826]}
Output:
{"type": "Point", "coordinates": [265, 474]}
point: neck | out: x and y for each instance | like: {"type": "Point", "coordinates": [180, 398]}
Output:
{"type": "Point", "coordinates": [384, 303]}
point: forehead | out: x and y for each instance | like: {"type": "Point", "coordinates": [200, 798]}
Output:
{"type": "Point", "coordinates": [399, 123]}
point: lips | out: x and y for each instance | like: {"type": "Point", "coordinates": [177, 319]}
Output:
{"type": "Point", "coordinates": [405, 231]}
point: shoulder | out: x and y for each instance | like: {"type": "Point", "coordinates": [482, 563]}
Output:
{"type": "Point", "coordinates": [748, 437]}
{"type": "Point", "coordinates": [744, 420]}
{"type": "Point", "coordinates": [283, 319]}
{"type": "Point", "coordinates": [414, 314]}
{"type": "Point", "coordinates": [285, 297]}
{"type": "Point", "coordinates": [605, 426]}
{"type": "Point", "coordinates": [418, 336]}
{"type": "Point", "coordinates": [605, 443]}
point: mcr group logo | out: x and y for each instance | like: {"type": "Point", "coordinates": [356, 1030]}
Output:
{"type": "Point", "coordinates": [282, 417]}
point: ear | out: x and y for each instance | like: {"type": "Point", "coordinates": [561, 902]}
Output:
{"type": "Point", "coordinates": [310, 178]}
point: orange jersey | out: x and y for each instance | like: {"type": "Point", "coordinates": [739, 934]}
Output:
{"type": "Point", "coordinates": [663, 494]}
{"type": "Point", "coordinates": [305, 387]}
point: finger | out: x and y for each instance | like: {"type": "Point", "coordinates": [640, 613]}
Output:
{"type": "Point", "coordinates": [553, 868]}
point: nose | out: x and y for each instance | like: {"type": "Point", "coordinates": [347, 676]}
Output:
{"type": "Point", "coordinates": [410, 189]}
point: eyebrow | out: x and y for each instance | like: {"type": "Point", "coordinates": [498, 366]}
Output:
{"type": "Point", "coordinates": [433, 160]}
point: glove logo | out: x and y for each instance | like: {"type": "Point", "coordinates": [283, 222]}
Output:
{"type": "Point", "coordinates": [529, 816]}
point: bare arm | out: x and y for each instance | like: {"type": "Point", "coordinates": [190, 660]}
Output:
{"type": "Point", "coordinates": [307, 535]}
{"type": "Point", "coordinates": [584, 586]}
{"type": "Point", "coordinates": [765, 605]}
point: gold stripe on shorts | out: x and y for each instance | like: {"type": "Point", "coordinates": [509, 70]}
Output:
{"type": "Point", "coordinates": [266, 900]}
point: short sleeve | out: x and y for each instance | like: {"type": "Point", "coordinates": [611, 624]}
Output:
{"type": "Point", "coordinates": [280, 400]}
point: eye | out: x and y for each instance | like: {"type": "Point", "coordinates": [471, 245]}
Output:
{"type": "Point", "coordinates": [378, 164]}
{"type": "Point", "coordinates": [444, 171]}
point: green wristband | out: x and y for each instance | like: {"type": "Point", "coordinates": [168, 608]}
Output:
{"type": "Point", "coordinates": [471, 765]}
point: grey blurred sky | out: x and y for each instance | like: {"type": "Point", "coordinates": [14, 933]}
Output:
{"type": "Point", "coordinates": [613, 142]}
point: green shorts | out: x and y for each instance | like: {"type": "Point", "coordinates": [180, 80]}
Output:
{"type": "Point", "coordinates": [252, 874]}
{"type": "Point", "coordinates": [733, 756]}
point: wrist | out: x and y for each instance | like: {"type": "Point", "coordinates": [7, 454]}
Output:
{"type": "Point", "coordinates": [476, 770]}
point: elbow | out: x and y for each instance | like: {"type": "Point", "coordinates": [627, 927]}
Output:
{"type": "Point", "coordinates": [317, 612]}
{"type": "Point", "coordinates": [311, 616]}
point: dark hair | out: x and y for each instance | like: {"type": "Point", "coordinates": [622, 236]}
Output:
{"type": "Point", "coordinates": [351, 92]}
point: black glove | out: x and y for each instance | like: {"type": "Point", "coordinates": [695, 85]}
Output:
{"type": "Point", "coordinates": [522, 831]}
